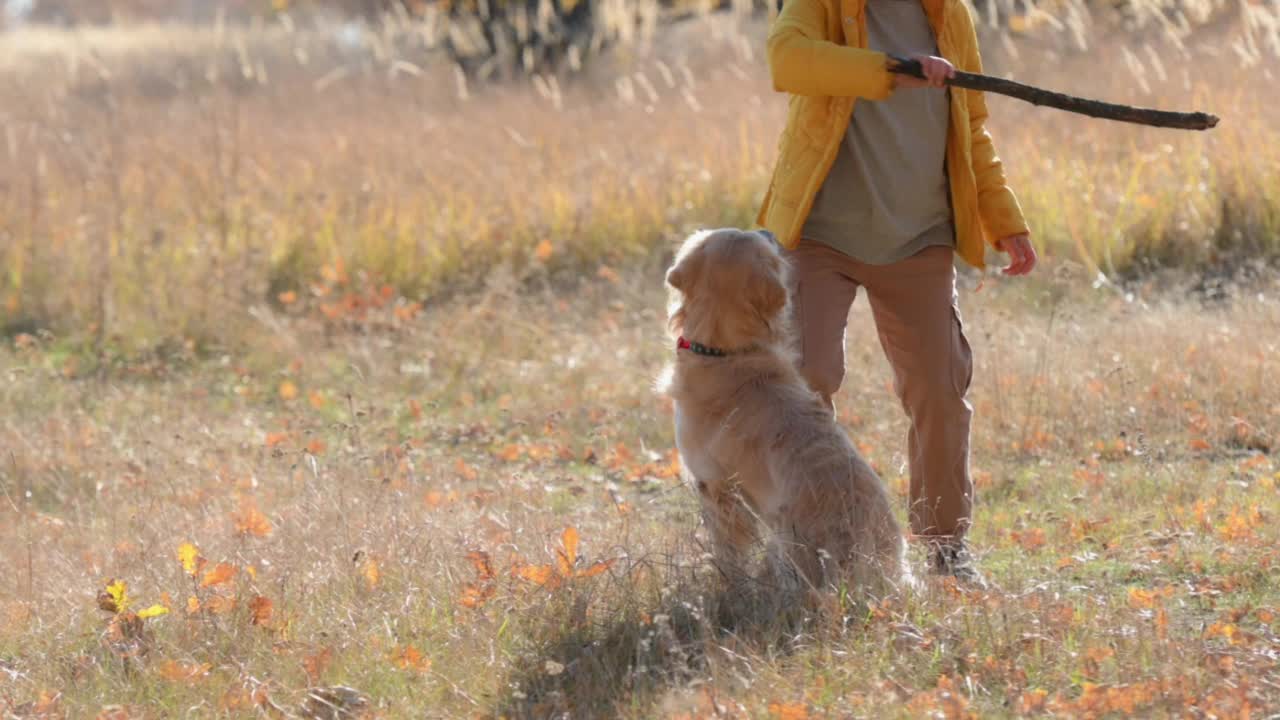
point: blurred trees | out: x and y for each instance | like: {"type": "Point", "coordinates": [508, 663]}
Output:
{"type": "Point", "coordinates": [500, 37]}
{"type": "Point", "coordinates": [490, 38]}
{"type": "Point", "coordinates": [80, 12]}
{"type": "Point", "coordinates": [495, 39]}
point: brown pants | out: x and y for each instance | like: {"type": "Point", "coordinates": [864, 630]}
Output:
{"type": "Point", "coordinates": [917, 318]}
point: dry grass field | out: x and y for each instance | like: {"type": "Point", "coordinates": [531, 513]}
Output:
{"type": "Point", "coordinates": [326, 389]}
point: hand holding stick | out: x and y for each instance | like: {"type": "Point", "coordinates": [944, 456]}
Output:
{"type": "Point", "coordinates": [1061, 101]}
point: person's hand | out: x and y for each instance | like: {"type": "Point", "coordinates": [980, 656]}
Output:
{"type": "Point", "coordinates": [1022, 254]}
{"type": "Point", "coordinates": [936, 71]}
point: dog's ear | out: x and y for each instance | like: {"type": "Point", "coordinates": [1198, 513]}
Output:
{"type": "Point", "coordinates": [688, 264]}
{"type": "Point", "coordinates": [767, 288]}
{"type": "Point", "coordinates": [683, 275]}
{"type": "Point", "coordinates": [677, 277]}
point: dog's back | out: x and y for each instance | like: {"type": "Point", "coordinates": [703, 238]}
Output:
{"type": "Point", "coordinates": [752, 423]}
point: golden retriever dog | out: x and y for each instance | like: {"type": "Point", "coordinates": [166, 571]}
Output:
{"type": "Point", "coordinates": [762, 450]}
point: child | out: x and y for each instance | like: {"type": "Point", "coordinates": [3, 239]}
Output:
{"type": "Point", "coordinates": [880, 180]}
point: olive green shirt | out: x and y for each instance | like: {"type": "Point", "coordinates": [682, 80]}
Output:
{"type": "Point", "coordinates": [886, 196]}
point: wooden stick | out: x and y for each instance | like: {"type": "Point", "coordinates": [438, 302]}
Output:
{"type": "Point", "coordinates": [1070, 103]}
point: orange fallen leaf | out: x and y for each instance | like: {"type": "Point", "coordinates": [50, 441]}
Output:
{"type": "Point", "coordinates": [1143, 599]}
{"type": "Point", "coordinates": [1090, 476]}
{"type": "Point", "coordinates": [250, 521]}
{"type": "Point", "coordinates": [260, 610]}
{"type": "Point", "coordinates": [244, 696]}
{"type": "Point", "coordinates": [275, 438]}
{"type": "Point", "coordinates": [1221, 629]}
{"type": "Point", "coordinates": [1032, 701]}
{"type": "Point", "coordinates": [475, 595]}
{"type": "Point", "coordinates": [372, 575]}
{"type": "Point", "coordinates": [1099, 653]}
{"type": "Point", "coordinates": [1255, 463]}
{"type": "Point", "coordinates": [482, 564]}
{"type": "Point", "coordinates": [406, 312]}
{"type": "Point", "coordinates": [568, 557]}
{"type": "Point", "coordinates": [565, 565]}
{"type": "Point", "coordinates": [543, 250]}
{"type": "Point", "coordinates": [127, 634]}
{"type": "Point", "coordinates": [466, 471]}
{"type": "Point", "coordinates": [788, 711]}
{"type": "Point", "coordinates": [46, 705]}
{"type": "Point", "coordinates": [316, 663]}
{"type": "Point", "coordinates": [1148, 599]}
{"type": "Point", "coordinates": [541, 575]}
{"type": "Point", "coordinates": [408, 658]}
{"type": "Point", "coordinates": [1029, 539]}
{"type": "Point", "coordinates": [480, 592]}
{"type": "Point", "coordinates": [287, 390]}
{"type": "Point", "coordinates": [288, 297]}
{"type": "Point", "coordinates": [191, 673]}
{"type": "Point", "coordinates": [221, 574]}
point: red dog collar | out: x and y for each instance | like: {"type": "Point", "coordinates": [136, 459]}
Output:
{"type": "Point", "coordinates": [699, 348]}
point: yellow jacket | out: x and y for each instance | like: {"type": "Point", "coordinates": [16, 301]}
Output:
{"type": "Point", "coordinates": [817, 53]}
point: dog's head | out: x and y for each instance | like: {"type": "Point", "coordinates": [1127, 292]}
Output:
{"type": "Point", "coordinates": [730, 288]}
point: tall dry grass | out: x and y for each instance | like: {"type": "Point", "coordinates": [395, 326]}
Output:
{"type": "Point", "coordinates": [385, 510]}
{"type": "Point", "coordinates": [160, 182]}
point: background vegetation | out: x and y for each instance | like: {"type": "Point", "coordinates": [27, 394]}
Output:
{"type": "Point", "coordinates": [159, 179]}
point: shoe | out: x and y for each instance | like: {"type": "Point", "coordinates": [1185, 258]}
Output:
{"type": "Point", "coordinates": [953, 559]}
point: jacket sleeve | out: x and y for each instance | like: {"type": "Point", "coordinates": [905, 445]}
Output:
{"type": "Point", "coordinates": [997, 205]}
{"type": "Point", "coordinates": [802, 61]}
